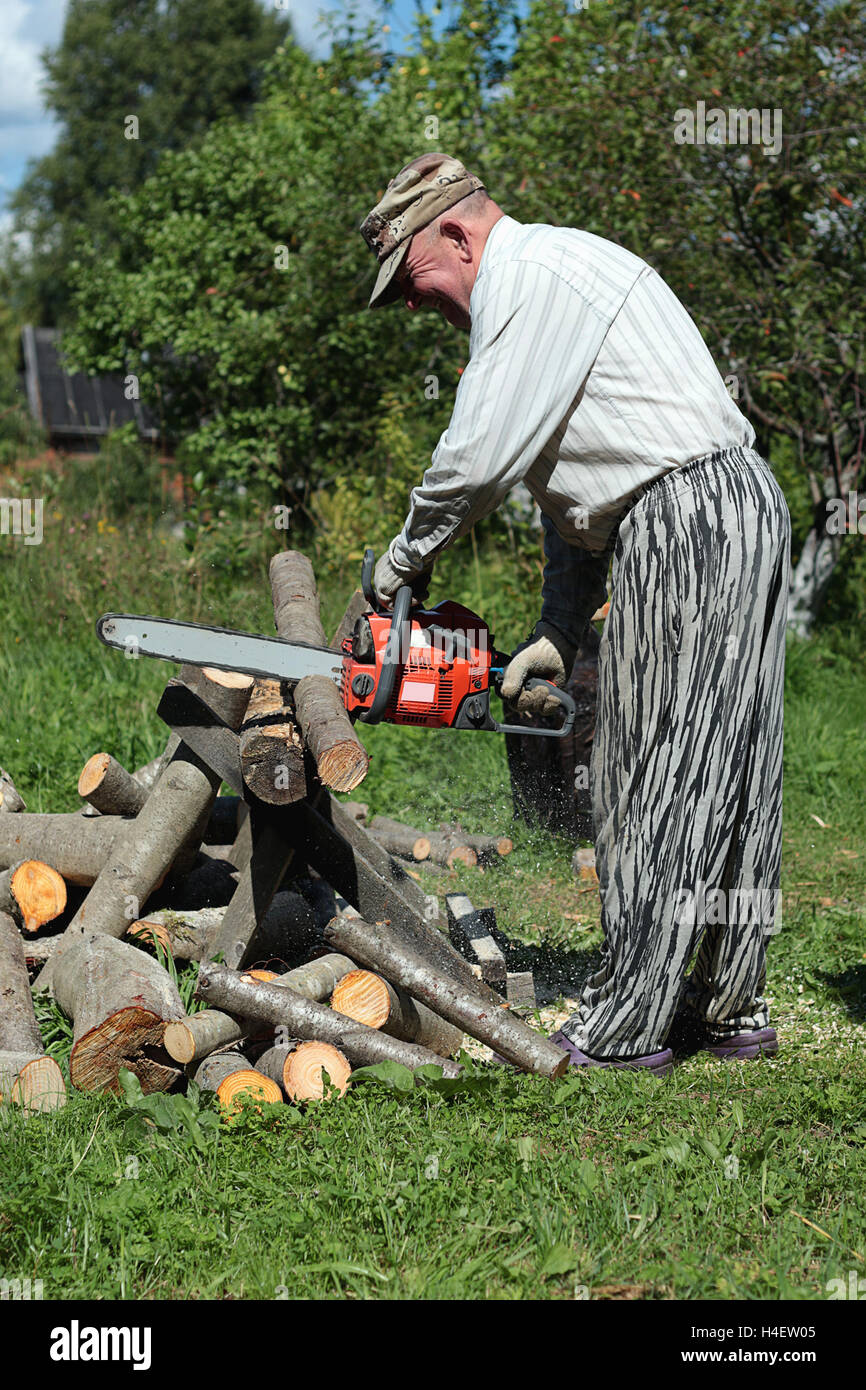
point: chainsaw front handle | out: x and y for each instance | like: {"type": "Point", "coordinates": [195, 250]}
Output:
{"type": "Point", "coordinates": [394, 645]}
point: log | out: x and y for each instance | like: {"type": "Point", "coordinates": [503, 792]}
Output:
{"type": "Point", "coordinates": [365, 996]}
{"type": "Point", "coordinates": [354, 608]}
{"type": "Point", "coordinates": [472, 932]}
{"type": "Point", "coordinates": [304, 1018]}
{"type": "Point", "coordinates": [109, 788]}
{"type": "Point", "coordinates": [325, 727]}
{"type": "Point", "coordinates": [142, 853]}
{"type": "Point", "coordinates": [76, 847]}
{"type": "Point", "coordinates": [400, 839]}
{"type": "Point", "coordinates": [27, 1076]}
{"type": "Point", "coordinates": [10, 800]}
{"type": "Point", "coordinates": [119, 1001]}
{"type": "Point", "coordinates": [231, 1077]}
{"type": "Point", "coordinates": [271, 748]}
{"type": "Point", "coordinates": [287, 929]}
{"type": "Point", "coordinates": [148, 774]}
{"type": "Point", "coordinates": [239, 937]}
{"type": "Point", "coordinates": [297, 1068]}
{"type": "Point", "coordinates": [447, 850]}
{"type": "Point", "coordinates": [225, 694]}
{"type": "Point", "coordinates": [373, 882]}
{"type": "Point", "coordinates": [382, 950]}
{"type": "Point", "coordinates": [489, 849]}
{"type": "Point", "coordinates": [340, 756]}
{"type": "Point", "coordinates": [192, 1038]}
{"type": "Point", "coordinates": [358, 810]}
{"type": "Point", "coordinates": [32, 893]}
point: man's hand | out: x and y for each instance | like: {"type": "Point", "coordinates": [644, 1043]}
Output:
{"type": "Point", "coordinates": [547, 654]}
{"type": "Point", "coordinates": [388, 578]}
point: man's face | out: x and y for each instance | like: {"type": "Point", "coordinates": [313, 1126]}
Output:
{"type": "Point", "coordinates": [433, 276]}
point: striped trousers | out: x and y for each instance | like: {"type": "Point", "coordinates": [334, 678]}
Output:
{"type": "Point", "coordinates": [686, 771]}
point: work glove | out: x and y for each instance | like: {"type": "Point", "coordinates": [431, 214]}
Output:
{"type": "Point", "coordinates": [388, 578]}
{"type": "Point", "coordinates": [546, 654]}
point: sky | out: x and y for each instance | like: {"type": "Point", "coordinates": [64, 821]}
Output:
{"type": "Point", "coordinates": [29, 26]}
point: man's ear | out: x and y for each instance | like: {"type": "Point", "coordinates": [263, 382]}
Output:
{"type": "Point", "coordinates": [455, 232]}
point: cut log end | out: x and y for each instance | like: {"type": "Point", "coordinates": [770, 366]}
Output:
{"type": "Point", "coordinates": [344, 766]}
{"type": "Point", "coordinates": [462, 854]}
{"type": "Point", "coordinates": [131, 1038]}
{"type": "Point", "coordinates": [232, 680]}
{"type": "Point", "coordinates": [35, 1083]}
{"type": "Point", "coordinates": [303, 1072]}
{"type": "Point", "coordinates": [40, 893]}
{"type": "Point", "coordinates": [263, 976]}
{"type": "Point", "coordinates": [247, 1084]}
{"type": "Point", "coordinates": [363, 996]}
{"type": "Point", "coordinates": [92, 773]}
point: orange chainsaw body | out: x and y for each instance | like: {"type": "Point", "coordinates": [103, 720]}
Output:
{"type": "Point", "coordinates": [444, 657]}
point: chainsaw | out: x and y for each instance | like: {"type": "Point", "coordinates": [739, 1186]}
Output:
{"type": "Point", "coordinates": [433, 668]}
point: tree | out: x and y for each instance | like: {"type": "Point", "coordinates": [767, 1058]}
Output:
{"type": "Point", "coordinates": [761, 237]}
{"type": "Point", "coordinates": [129, 80]}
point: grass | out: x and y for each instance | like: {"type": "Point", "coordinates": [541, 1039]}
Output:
{"type": "Point", "coordinates": [732, 1182]}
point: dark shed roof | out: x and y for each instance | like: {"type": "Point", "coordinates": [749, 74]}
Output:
{"type": "Point", "coordinates": [73, 405]}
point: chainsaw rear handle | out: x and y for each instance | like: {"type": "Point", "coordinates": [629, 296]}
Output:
{"type": "Point", "coordinates": [562, 696]}
{"type": "Point", "coordinates": [394, 645]}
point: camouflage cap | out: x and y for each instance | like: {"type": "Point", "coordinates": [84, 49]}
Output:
{"type": "Point", "coordinates": [416, 196]}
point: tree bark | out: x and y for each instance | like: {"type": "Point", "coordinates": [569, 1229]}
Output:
{"type": "Point", "coordinates": [326, 729]}
{"type": "Point", "coordinates": [226, 695]}
{"type": "Point", "coordinates": [27, 1075]}
{"type": "Point", "coordinates": [272, 1003]}
{"type": "Point", "coordinates": [143, 852]}
{"type": "Point", "coordinates": [271, 749]}
{"type": "Point", "coordinates": [148, 774]}
{"type": "Point", "coordinates": [400, 839]}
{"type": "Point", "coordinates": [109, 788]}
{"type": "Point", "coordinates": [76, 847]}
{"type": "Point", "coordinates": [364, 996]}
{"type": "Point", "coordinates": [192, 1038]}
{"type": "Point", "coordinates": [381, 950]}
{"type": "Point", "coordinates": [340, 756]}
{"type": "Point", "coordinates": [489, 849]}
{"type": "Point", "coordinates": [119, 1001]}
{"type": "Point", "coordinates": [447, 850]}
{"type": "Point", "coordinates": [32, 893]}
{"type": "Point", "coordinates": [297, 1069]}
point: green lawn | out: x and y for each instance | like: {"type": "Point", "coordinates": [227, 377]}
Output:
{"type": "Point", "coordinates": [731, 1181]}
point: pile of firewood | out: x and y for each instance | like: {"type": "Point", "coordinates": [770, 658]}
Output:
{"type": "Point", "coordinates": [319, 951]}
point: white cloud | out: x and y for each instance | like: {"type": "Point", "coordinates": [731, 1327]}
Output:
{"type": "Point", "coordinates": [26, 129]}
{"type": "Point", "coordinates": [26, 27]}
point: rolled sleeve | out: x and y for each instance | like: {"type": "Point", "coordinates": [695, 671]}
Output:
{"type": "Point", "coordinates": [527, 368]}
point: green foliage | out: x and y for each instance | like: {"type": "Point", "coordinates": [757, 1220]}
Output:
{"type": "Point", "coordinates": [175, 67]}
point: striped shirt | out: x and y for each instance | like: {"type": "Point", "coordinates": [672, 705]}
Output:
{"type": "Point", "coordinates": [587, 380]}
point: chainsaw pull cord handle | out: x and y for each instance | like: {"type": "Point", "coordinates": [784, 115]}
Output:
{"type": "Point", "coordinates": [394, 644]}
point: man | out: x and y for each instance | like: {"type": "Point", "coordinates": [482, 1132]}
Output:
{"type": "Point", "coordinates": [589, 382]}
